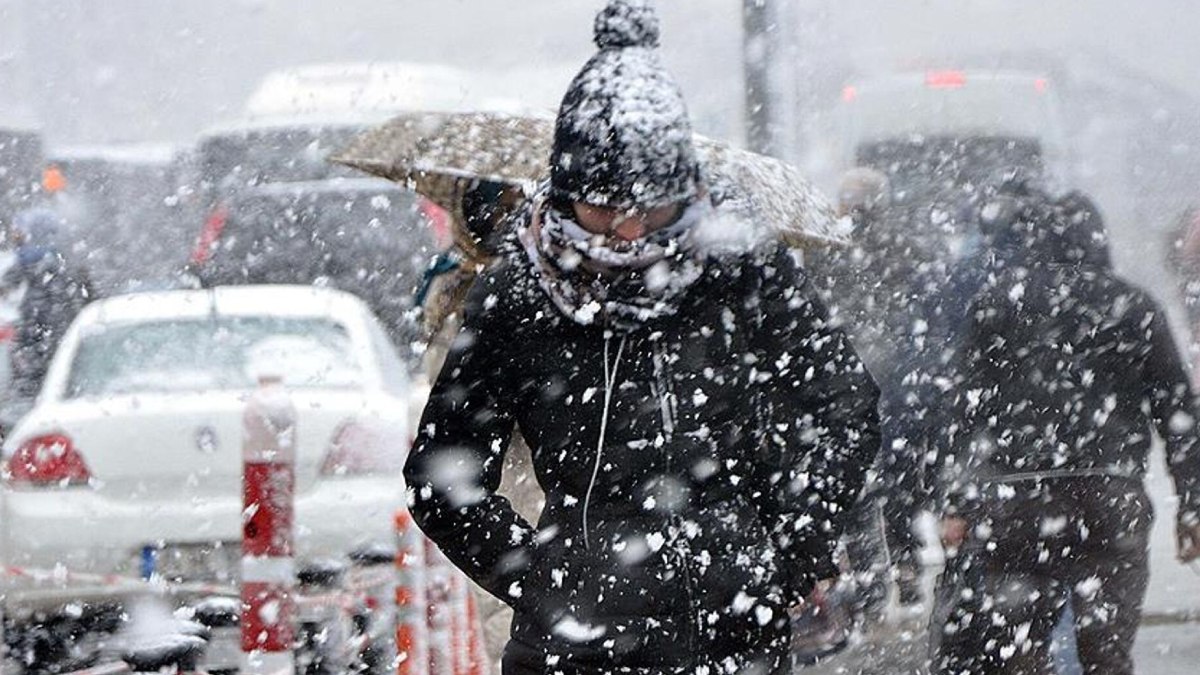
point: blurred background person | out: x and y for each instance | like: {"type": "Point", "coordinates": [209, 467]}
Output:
{"type": "Point", "coordinates": [874, 288]}
{"type": "Point", "coordinates": [1183, 260]}
{"type": "Point", "coordinates": [55, 289]}
{"type": "Point", "coordinates": [479, 235]}
{"type": "Point", "coordinates": [1066, 372]}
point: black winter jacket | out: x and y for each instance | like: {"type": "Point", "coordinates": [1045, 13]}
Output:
{"type": "Point", "coordinates": [695, 469]}
{"type": "Point", "coordinates": [1068, 370]}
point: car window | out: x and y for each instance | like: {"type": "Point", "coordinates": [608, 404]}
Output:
{"type": "Point", "coordinates": [241, 159]}
{"type": "Point", "coordinates": [222, 353]}
{"type": "Point", "coordinates": [352, 240]}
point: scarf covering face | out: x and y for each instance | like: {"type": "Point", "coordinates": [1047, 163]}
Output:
{"type": "Point", "coordinates": [621, 286]}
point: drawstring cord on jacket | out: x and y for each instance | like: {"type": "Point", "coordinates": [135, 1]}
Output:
{"type": "Point", "coordinates": [610, 380]}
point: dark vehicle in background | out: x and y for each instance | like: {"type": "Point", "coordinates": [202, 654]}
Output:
{"type": "Point", "coordinates": [940, 136]}
{"type": "Point", "coordinates": [20, 169]}
{"type": "Point", "coordinates": [126, 216]}
{"type": "Point", "coordinates": [230, 160]}
{"type": "Point", "coordinates": [271, 151]}
{"type": "Point", "coordinates": [365, 236]}
{"type": "Point", "coordinates": [270, 208]}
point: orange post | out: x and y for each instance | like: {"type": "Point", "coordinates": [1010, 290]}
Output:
{"type": "Point", "coordinates": [411, 629]}
{"type": "Point", "coordinates": [458, 623]}
{"type": "Point", "coordinates": [440, 606]}
{"type": "Point", "coordinates": [477, 663]}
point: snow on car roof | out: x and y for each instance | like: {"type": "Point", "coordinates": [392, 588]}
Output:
{"type": "Point", "coordinates": [359, 120]}
{"type": "Point", "coordinates": [282, 301]}
{"type": "Point", "coordinates": [130, 153]}
{"type": "Point", "coordinates": [374, 87]}
{"type": "Point", "coordinates": [337, 87]}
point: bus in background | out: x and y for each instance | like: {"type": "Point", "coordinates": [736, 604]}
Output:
{"type": "Point", "coordinates": [265, 185]}
{"type": "Point", "coordinates": [940, 136]}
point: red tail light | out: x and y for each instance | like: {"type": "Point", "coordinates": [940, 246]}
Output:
{"type": "Point", "coordinates": [45, 461]}
{"type": "Point", "coordinates": [946, 79]}
{"type": "Point", "coordinates": [849, 93]}
{"type": "Point", "coordinates": [358, 449]}
{"type": "Point", "coordinates": [214, 225]}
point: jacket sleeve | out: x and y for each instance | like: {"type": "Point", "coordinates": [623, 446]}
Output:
{"type": "Point", "coordinates": [978, 370]}
{"type": "Point", "coordinates": [1173, 411]}
{"type": "Point", "coordinates": [454, 469]}
{"type": "Point", "coordinates": [822, 424]}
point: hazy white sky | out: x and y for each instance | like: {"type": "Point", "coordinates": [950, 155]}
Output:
{"type": "Point", "coordinates": [147, 69]}
{"type": "Point", "coordinates": [92, 71]}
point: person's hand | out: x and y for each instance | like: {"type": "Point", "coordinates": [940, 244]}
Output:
{"type": "Point", "coordinates": [954, 532]}
{"type": "Point", "coordinates": [823, 586]}
{"type": "Point", "coordinates": [1187, 538]}
{"type": "Point", "coordinates": [815, 597]}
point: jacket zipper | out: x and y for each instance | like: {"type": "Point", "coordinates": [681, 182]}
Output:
{"type": "Point", "coordinates": [664, 392]}
{"type": "Point", "coordinates": [694, 618]}
{"type": "Point", "coordinates": [610, 381]}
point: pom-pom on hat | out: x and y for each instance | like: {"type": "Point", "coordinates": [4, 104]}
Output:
{"type": "Point", "coordinates": [623, 138]}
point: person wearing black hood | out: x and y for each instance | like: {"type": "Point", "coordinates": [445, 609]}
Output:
{"type": "Point", "coordinates": [1067, 371]}
{"type": "Point", "coordinates": [696, 425]}
{"type": "Point", "coordinates": [873, 289]}
{"type": "Point", "coordinates": [479, 226]}
{"type": "Point", "coordinates": [55, 290]}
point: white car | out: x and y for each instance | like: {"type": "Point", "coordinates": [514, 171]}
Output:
{"type": "Point", "coordinates": [131, 456]}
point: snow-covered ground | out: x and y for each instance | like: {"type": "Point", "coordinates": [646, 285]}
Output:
{"type": "Point", "coordinates": [1168, 649]}
{"type": "Point", "coordinates": [1165, 646]}
{"type": "Point", "coordinates": [1174, 588]}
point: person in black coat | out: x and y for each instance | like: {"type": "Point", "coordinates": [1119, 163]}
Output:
{"type": "Point", "coordinates": [875, 289]}
{"type": "Point", "coordinates": [697, 426]}
{"type": "Point", "coordinates": [56, 289]}
{"type": "Point", "coordinates": [1067, 372]}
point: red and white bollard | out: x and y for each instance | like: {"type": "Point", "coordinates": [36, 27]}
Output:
{"type": "Point", "coordinates": [459, 644]}
{"type": "Point", "coordinates": [412, 634]}
{"type": "Point", "coordinates": [441, 611]}
{"type": "Point", "coordinates": [477, 654]}
{"type": "Point", "coordinates": [268, 568]}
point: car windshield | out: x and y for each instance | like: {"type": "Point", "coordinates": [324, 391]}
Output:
{"type": "Point", "coordinates": [216, 354]}
{"type": "Point", "coordinates": [247, 158]}
{"type": "Point", "coordinates": [300, 237]}
{"type": "Point", "coordinates": [946, 168]}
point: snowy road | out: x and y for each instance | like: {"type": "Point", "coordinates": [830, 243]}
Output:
{"type": "Point", "coordinates": [1168, 649]}
{"type": "Point", "coordinates": [1172, 649]}
{"type": "Point", "coordinates": [1174, 588]}
{"type": "Point", "coordinates": [1165, 646]}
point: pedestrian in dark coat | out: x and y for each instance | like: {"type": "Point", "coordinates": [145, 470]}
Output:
{"type": "Point", "coordinates": [1067, 372]}
{"type": "Point", "coordinates": [697, 426]}
{"type": "Point", "coordinates": [55, 290]}
{"type": "Point", "coordinates": [876, 289]}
